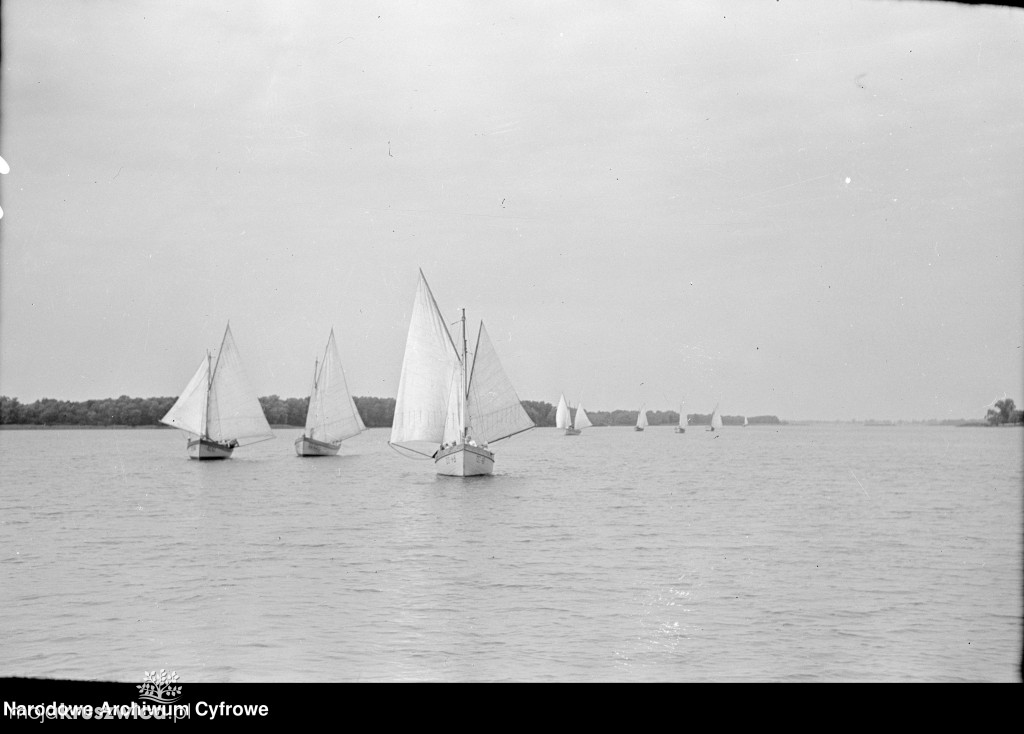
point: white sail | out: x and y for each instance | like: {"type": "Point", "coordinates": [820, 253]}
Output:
{"type": "Point", "coordinates": [745, 421]}
{"type": "Point", "coordinates": [582, 420]}
{"type": "Point", "coordinates": [332, 414]}
{"type": "Point", "coordinates": [682, 417]}
{"type": "Point", "coordinates": [641, 419]}
{"type": "Point", "coordinates": [716, 419]}
{"type": "Point", "coordinates": [189, 411]}
{"type": "Point", "coordinates": [562, 413]}
{"type": "Point", "coordinates": [429, 371]}
{"type": "Point", "coordinates": [233, 412]}
{"type": "Point", "coordinates": [495, 411]}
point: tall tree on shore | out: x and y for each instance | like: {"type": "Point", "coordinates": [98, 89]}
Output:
{"type": "Point", "coordinates": [1002, 411]}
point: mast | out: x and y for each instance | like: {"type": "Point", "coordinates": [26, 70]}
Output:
{"type": "Point", "coordinates": [316, 375]}
{"type": "Point", "coordinates": [465, 385]}
{"type": "Point", "coordinates": [220, 352]}
{"type": "Point", "coordinates": [213, 372]}
{"type": "Point", "coordinates": [312, 392]}
{"type": "Point", "coordinates": [209, 388]}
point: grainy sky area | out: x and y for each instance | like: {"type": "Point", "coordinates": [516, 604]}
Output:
{"type": "Point", "coordinates": [812, 210]}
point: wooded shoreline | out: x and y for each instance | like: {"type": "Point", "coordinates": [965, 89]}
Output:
{"type": "Point", "coordinates": [128, 412]}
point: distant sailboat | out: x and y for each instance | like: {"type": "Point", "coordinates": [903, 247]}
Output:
{"type": "Point", "coordinates": [563, 418]}
{"type": "Point", "coordinates": [332, 416]}
{"type": "Point", "coordinates": [641, 420]}
{"type": "Point", "coordinates": [745, 424]}
{"type": "Point", "coordinates": [681, 428]}
{"type": "Point", "coordinates": [446, 409]}
{"type": "Point", "coordinates": [716, 420]}
{"type": "Point", "coordinates": [218, 410]}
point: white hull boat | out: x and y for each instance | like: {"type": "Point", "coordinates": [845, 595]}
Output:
{"type": "Point", "coordinates": [448, 409]}
{"type": "Point", "coordinates": [464, 460]}
{"type": "Point", "coordinates": [306, 446]}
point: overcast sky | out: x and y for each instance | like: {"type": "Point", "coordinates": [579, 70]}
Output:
{"type": "Point", "coordinates": [812, 210]}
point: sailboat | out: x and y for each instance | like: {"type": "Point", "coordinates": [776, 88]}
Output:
{"type": "Point", "coordinates": [447, 409]}
{"type": "Point", "coordinates": [716, 420]}
{"type": "Point", "coordinates": [332, 416]}
{"type": "Point", "coordinates": [745, 424]}
{"type": "Point", "coordinates": [641, 420]}
{"type": "Point", "coordinates": [563, 418]}
{"type": "Point", "coordinates": [581, 421]}
{"type": "Point", "coordinates": [218, 410]}
{"type": "Point", "coordinates": [681, 428]}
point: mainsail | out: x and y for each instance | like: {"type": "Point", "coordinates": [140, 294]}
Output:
{"type": "Point", "coordinates": [494, 410]}
{"type": "Point", "coordinates": [429, 381]}
{"type": "Point", "coordinates": [332, 414]}
{"type": "Point", "coordinates": [234, 412]}
{"type": "Point", "coordinates": [641, 419]}
{"type": "Point", "coordinates": [562, 419]}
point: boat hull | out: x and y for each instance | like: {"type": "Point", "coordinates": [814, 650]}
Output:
{"type": "Point", "coordinates": [680, 429]}
{"type": "Point", "coordinates": [573, 431]}
{"type": "Point", "coordinates": [637, 428]}
{"type": "Point", "coordinates": [206, 449]}
{"type": "Point", "coordinates": [463, 460]}
{"type": "Point", "coordinates": [306, 446]}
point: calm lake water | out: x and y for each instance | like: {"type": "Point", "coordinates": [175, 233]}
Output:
{"type": "Point", "coordinates": [793, 553]}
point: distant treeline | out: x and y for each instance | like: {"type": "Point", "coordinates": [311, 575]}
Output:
{"type": "Point", "coordinates": [126, 411]}
{"type": "Point", "coordinates": [543, 414]}
{"type": "Point", "coordinates": [375, 412]}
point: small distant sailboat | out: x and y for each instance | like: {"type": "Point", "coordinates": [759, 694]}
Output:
{"type": "Point", "coordinates": [745, 424]}
{"type": "Point", "coordinates": [218, 410]}
{"type": "Point", "coordinates": [641, 420]}
{"type": "Point", "coordinates": [446, 409]}
{"type": "Point", "coordinates": [681, 428]}
{"type": "Point", "coordinates": [332, 416]}
{"type": "Point", "coordinates": [564, 419]}
{"type": "Point", "coordinates": [716, 420]}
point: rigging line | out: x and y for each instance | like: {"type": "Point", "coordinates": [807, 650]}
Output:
{"type": "Point", "coordinates": [406, 456]}
{"type": "Point", "coordinates": [437, 310]}
{"type": "Point", "coordinates": [524, 430]}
